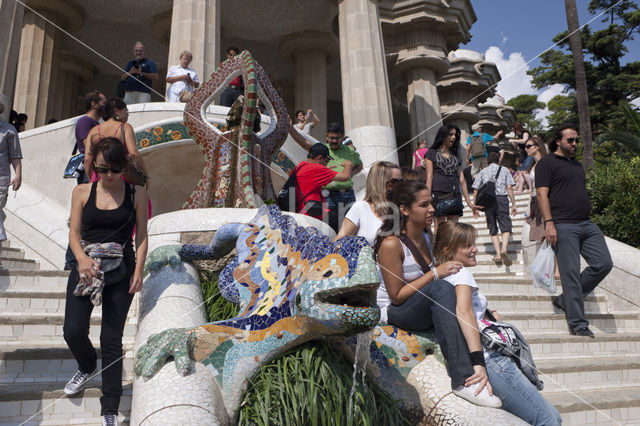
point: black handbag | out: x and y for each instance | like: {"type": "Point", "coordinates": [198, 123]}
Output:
{"type": "Point", "coordinates": [487, 193]}
{"type": "Point", "coordinates": [114, 270]}
{"type": "Point", "coordinates": [448, 204]}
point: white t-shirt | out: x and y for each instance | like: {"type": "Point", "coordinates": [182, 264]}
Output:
{"type": "Point", "coordinates": [367, 222]}
{"type": "Point", "coordinates": [306, 128]}
{"type": "Point", "coordinates": [479, 301]}
{"type": "Point", "coordinates": [174, 89]}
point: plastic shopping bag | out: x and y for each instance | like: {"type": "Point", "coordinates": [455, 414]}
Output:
{"type": "Point", "coordinates": [543, 268]}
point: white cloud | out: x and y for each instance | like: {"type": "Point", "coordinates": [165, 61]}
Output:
{"type": "Point", "coordinates": [515, 81]}
{"type": "Point", "coordinates": [504, 38]}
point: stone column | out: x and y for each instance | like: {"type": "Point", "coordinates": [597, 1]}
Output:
{"type": "Point", "coordinates": [39, 51]}
{"type": "Point", "coordinates": [39, 56]}
{"type": "Point", "coordinates": [366, 99]}
{"type": "Point", "coordinates": [195, 26]}
{"type": "Point", "coordinates": [422, 60]}
{"type": "Point", "coordinates": [424, 104]}
{"type": "Point", "coordinates": [311, 51]}
{"type": "Point", "coordinates": [11, 13]}
{"type": "Point", "coordinates": [72, 69]}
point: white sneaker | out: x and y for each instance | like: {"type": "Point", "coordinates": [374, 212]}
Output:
{"type": "Point", "coordinates": [482, 399]}
{"type": "Point", "coordinates": [110, 420]}
{"type": "Point", "coordinates": [77, 382]}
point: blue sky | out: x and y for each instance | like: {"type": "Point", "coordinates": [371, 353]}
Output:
{"type": "Point", "coordinates": [512, 33]}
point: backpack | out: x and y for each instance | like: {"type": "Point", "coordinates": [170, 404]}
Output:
{"type": "Point", "coordinates": [287, 197]}
{"type": "Point", "coordinates": [477, 147]}
{"type": "Point", "coordinates": [487, 193]}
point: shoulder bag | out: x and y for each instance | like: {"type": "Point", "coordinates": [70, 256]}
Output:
{"type": "Point", "coordinates": [75, 165]}
{"type": "Point", "coordinates": [487, 193]}
{"type": "Point", "coordinates": [420, 260]}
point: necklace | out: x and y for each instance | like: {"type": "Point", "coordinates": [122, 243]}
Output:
{"type": "Point", "coordinates": [448, 165]}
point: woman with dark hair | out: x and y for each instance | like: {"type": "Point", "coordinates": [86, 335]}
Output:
{"type": "Point", "coordinates": [103, 216]}
{"type": "Point", "coordinates": [412, 294]}
{"type": "Point", "coordinates": [445, 178]}
{"type": "Point", "coordinates": [306, 122]}
{"type": "Point", "coordinates": [116, 126]}
{"type": "Point", "coordinates": [522, 136]}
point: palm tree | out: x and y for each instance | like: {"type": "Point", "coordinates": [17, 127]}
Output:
{"type": "Point", "coordinates": [625, 140]}
{"type": "Point", "coordinates": [582, 97]}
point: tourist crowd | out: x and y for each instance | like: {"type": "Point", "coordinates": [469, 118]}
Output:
{"type": "Point", "coordinates": [409, 217]}
{"type": "Point", "coordinates": [424, 255]}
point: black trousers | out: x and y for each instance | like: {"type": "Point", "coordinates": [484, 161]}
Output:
{"type": "Point", "coordinates": [116, 301]}
{"type": "Point", "coordinates": [434, 307]}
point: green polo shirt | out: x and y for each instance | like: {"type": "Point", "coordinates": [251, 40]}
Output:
{"type": "Point", "coordinates": [339, 156]}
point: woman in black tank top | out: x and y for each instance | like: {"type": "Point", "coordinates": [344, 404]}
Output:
{"type": "Point", "coordinates": [105, 211]}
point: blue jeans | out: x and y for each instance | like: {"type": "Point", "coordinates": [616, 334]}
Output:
{"type": "Point", "coordinates": [434, 307]}
{"type": "Point", "coordinates": [574, 240]}
{"type": "Point", "coordinates": [519, 397]}
{"type": "Point", "coordinates": [339, 204]}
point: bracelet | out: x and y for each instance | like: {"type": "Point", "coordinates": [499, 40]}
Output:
{"type": "Point", "coordinates": [477, 358]}
{"type": "Point", "coordinates": [435, 274]}
{"type": "Point", "coordinates": [548, 220]}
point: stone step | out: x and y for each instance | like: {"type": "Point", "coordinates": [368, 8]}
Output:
{"type": "Point", "coordinates": [485, 255]}
{"type": "Point", "coordinates": [603, 322]}
{"type": "Point", "coordinates": [517, 302]}
{"type": "Point", "coordinates": [11, 253]}
{"type": "Point", "coordinates": [560, 344]}
{"type": "Point", "coordinates": [36, 280]}
{"type": "Point", "coordinates": [43, 326]}
{"type": "Point", "coordinates": [46, 404]}
{"type": "Point", "coordinates": [589, 373]}
{"type": "Point", "coordinates": [497, 268]}
{"type": "Point", "coordinates": [13, 263]}
{"type": "Point", "coordinates": [518, 284]}
{"type": "Point", "coordinates": [53, 363]}
{"type": "Point", "coordinates": [484, 238]}
{"type": "Point", "coordinates": [616, 406]}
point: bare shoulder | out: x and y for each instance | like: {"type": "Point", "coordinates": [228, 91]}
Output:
{"type": "Point", "coordinates": [390, 245]}
{"type": "Point", "coordinates": [81, 192]}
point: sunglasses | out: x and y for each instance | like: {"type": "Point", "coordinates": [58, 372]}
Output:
{"type": "Point", "coordinates": [573, 140]}
{"type": "Point", "coordinates": [104, 170]}
{"type": "Point", "coordinates": [528, 146]}
{"type": "Point", "coordinates": [393, 181]}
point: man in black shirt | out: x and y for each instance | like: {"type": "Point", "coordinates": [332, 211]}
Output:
{"type": "Point", "coordinates": [565, 205]}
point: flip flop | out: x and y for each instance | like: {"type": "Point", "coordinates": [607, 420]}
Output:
{"type": "Point", "coordinates": [505, 258]}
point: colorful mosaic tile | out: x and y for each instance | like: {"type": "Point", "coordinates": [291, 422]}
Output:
{"type": "Point", "coordinates": [293, 284]}
{"type": "Point", "coordinates": [238, 174]}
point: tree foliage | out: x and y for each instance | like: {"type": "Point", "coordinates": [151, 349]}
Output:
{"type": "Point", "coordinates": [526, 107]}
{"type": "Point", "coordinates": [563, 110]}
{"type": "Point", "coordinates": [615, 198]}
{"type": "Point", "coordinates": [608, 80]}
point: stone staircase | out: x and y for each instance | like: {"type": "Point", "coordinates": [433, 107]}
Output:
{"type": "Point", "coordinates": [35, 362]}
{"type": "Point", "coordinates": [590, 381]}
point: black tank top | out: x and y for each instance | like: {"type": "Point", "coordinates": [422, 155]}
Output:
{"type": "Point", "coordinates": [116, 225]}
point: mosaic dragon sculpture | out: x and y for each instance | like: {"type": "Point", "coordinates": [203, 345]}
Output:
{"type": "Point", "coordinates": [292, 285]}
{"type": "Point", "coordinates": [237, 163]}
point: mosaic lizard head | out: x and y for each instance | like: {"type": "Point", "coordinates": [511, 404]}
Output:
{"type": "Point", "coordinates": [285, 270]}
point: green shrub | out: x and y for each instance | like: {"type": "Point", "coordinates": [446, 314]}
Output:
{"type": "Point", "coordinates": [614, 188]}
{"type": "Point", "coordinates": [218, 308]}
{"type": "Point", "coordinates": [311, 385]}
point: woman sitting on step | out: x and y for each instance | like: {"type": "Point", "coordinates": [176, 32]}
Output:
{"type": "Point", "coordinates": [456, 242]}
{"type": "Point", "coordinates": [412, 294]}
{"type": "Point", "coordinates": [107, 271]}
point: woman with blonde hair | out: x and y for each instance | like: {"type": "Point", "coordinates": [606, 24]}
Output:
{"type": "Point", "coordinates": [182, 80]}
{"type": "Point", "coordinates": [509, 375]}
{"type": "Point", "coordinates": [363, 218]}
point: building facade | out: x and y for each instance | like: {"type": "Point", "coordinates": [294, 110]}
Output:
{"type": "Point", "coordinates": [383, 68]}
